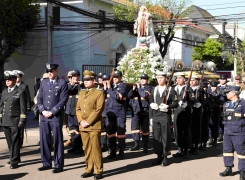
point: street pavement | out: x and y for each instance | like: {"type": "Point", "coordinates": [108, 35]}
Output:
{"type": "Point", "coordinates": [136, 165]}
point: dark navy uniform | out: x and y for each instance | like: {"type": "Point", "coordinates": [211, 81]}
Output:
{"type": "Point", "coordinates": [103, 139]}
{"type": "Point", "coordinates": [73, 125]}
{"type": "Point", "coordinates": [23, 87]}
{"type": "Point", "coordinates": [13, 110]}
{"type": "Point", "coordinates": [196, 119]}
{"type": "Point", "coordinates": [207, 106]}
{"type": "Point", "coordinates": [116, 116]}
{"type": "Point", "coordinates": [161, 122]}
{"type": "Point", "coordinates": [140, 120]}
{"type": "Point", "coordinates": [182, 120]}
{"type": "Point", "coordinates": [52, 97]}
{"type": "Point", "coordinates": [223, 99]}
{"type": "Point", "coordinates": [215, 114]}
{"type": "Point", "coordinates": [234, 132]}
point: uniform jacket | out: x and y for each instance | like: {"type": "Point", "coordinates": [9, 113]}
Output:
{"type": "Point", "coordinates": [234, 119]}
{"type": "Point", "coordinates": [190, 96]}
{"type": "Point", "coordinates": [116, 105]}
{"type": "Point", "coordinates": [13, 107]}
{"type": "Point", "coordinates": [52, 98]}
{"type": "Point", "coordinates": [72, 99]}
{"type": "Point", "coordinates": [172, 102]}
{"type": "Point", "coordinates": [24, 87]}
{"type": "Point", "coordinates": [141, 97]}
{"type": "Point", "coordinates": [89, 108]}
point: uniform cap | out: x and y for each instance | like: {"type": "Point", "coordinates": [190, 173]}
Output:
{"type": "Point", "coordinates": [223, 76]}
{"type": "Point", "coordinates": [238, 77]}
{"type": "Point", "coordinates": [144, 76]}
{"type": "Point", "coordinates": [117, 73]}
{"type": "Point", "coordinates": [19, 73]}
{"type": "Point", "coordinates": [69, 74]}
{"type": "Point", "coordinates": [100, 75]}
{"type": "Point", "coordinates": [213, 83]}
{"type": "Point", "coordinates": [106, 77]}
{"type": "Point", "coordinates": [161, 73]}
{"type": "Point", "coordinates": [194, 77]}
{"type": "Point", "coordinates": [205, 85]}
{"type": "Point", "coordinates": [50, 67]}
{"type": "Point", "coordinates": [8, 75]}
{"type": "Point", "coordinates": [179, 74]}
{"type": "Point", "coordinates": [232, 87]}
{"type": "Point", "coordinates": [89, 74]}
{"type": "Point", "coordinates": [75, 72]}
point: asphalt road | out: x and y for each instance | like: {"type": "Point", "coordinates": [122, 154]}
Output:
{"type": "Point", "coordinates": [136, 165]}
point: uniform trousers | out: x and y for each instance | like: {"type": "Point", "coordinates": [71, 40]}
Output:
{"type": "Point", "coordinates": [92, 150]}
{"type": "Point", "coordinates": [221, 125]}
{"type": "Point", "coordinates": [214, 124]}
{"type": "Point", "coordinates": [21, 135]}
{"type": "Point", "coordinates": [140, 123]}
{"type": "Point", "coordinates": [182, 121]}
{"type": "Point", "coordinates": [233, 143]}
{"type": "Point", "coordinates": [196, 125]}
{"type": "Point", "coordinates": [161, 134]}
{"type": "Point", "coordinates": [116, 125]}
{"type": "Point", "coordinates": [103, 138]}
{"type": "Point", "coordinates": [73, 127]}
{"type": "Point", "coordinates": [46, 126]}
{"type": "Point", "coordinates": [12, 135]}
{"type": "Point", "coordinates": [204, 127]}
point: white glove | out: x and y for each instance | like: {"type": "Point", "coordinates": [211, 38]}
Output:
{"type": "Point", "coordinates": [184, 105]}
{"type": "Point", "coordinates": [151, 122]}
{"type": "Point", "coordinates": [163, 107]}
{"type": "Point", "coordinates": [197, 105]}
{"type": "Point", "coordinates": [154, 106]}
{"type": "Point", "coordinates": [180, 103]}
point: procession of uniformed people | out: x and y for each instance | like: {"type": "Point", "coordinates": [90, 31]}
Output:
{"type": "Point", "coordinates": [95, 117]}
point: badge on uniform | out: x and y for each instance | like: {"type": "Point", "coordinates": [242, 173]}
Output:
{"type": "Point", "coordinates": [229, 117]}
{"type": "Point", "coordinates": [193, 95]}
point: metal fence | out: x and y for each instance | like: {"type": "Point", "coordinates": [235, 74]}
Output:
{"type": "Point", "coordinates": [106, 69]}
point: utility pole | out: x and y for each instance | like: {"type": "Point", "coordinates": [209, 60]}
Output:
{"type": "Point", "coordinates": [235, 54]}
{"type": "Point", "coordinates": [50, 31]}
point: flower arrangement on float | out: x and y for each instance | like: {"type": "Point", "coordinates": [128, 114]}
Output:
{"type": "Point", "coordinates": [141, 60]}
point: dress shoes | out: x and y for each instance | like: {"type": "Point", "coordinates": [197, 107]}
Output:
{"type": "Point", "coordinates": [227, 172]}
{"type": "Point", "coordinates": [57, 170]}
{"type": "Point", "coordinates": [14, 166]}
{"type": "Point", "coordinates": [111, 155]}
{"type": "Point", "coordinates": [44, 168]}
{"type": "Point", "coordinates": [157, 161]}
{"type": "Point", "coordinates": [164, 161]}
{"type": "Point", "coordinates": [178, 154]}
{"type": "Point", "coordinates": [104, 148]}
{"type": "Point", "coordinates": [8, 162]}
{"type": "Point", "coordinates": [86, 175]}
{"type": "Point", "coordinates": [98, 176]}
{"type": "Point", "coordinates": [120, 155]}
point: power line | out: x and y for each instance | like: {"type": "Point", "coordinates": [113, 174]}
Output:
{"type": "Point", "coordinates": [87, 47]}
{"type": "Point", "coordinates": [223, 3]}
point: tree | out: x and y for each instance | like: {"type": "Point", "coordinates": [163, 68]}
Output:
{"type": "Point", "coordinates": [166, 10]}
{"type": "Point", "coordinates": [211, 50]}
{"type": "Point", "coordinates": [16, 19]}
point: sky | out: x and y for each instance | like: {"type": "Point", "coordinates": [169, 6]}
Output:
{"type": "Point", "coordinates": [223, 7]}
